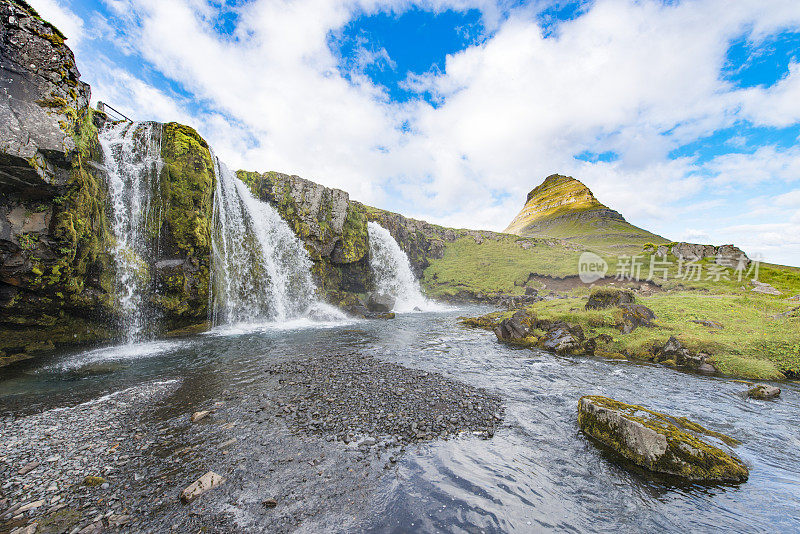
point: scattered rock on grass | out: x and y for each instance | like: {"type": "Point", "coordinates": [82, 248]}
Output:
{"type": "Point", "coordinates": [606, 297]}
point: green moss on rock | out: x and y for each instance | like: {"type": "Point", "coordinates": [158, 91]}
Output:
{"type": "Point", "coordinates": [186, 190]}
{"type": "Point", "coordinates": [659, 442]}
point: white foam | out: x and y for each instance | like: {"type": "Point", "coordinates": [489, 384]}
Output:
{"type": "Point", "coordinates": [393, 276]}
{"type": "Point", "coordinates": [128, 351]}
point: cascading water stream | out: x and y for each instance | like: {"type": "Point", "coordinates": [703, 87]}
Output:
{"type": "Point", "coordinates": [132, 156]}
{"type": "Point", "coordinates": [392, 272]}
{"type": "Point", "coordinates": [261, 271]}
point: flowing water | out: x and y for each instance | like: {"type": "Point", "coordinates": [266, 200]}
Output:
{"type": "Point", "coordinates": [538, 473]}
{"type": "Point", "coordinates": [392, 273]}
{"type": "Point", "coordinates": [261, 271]}
{"type": "Point", "coordinates": [132, 157]}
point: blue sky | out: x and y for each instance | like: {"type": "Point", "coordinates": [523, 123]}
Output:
{"type": "Point", "coordinates": [682, 115]}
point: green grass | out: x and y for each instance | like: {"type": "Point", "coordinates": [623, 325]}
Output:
{"type": "Point", "coordinates": [495, 267]}
{"type": "Point", "coordinates": [752, 344]}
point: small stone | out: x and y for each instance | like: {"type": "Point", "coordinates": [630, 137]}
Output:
{"type": "Point", "coordinates": [93, 481]}
{"type": "Point", "coordinates": [27, 468]}
{"type": "Point", "coordinates": [270, 503]}
{"type": "Point", "coordinates": [197, 416]}
{"type": "Point", "coordinates": [203, 484]}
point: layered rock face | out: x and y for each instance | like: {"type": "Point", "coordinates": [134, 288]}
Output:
{"type": "Point", "coordinates": [42, 95]}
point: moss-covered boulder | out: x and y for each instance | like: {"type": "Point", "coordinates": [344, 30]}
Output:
{"type": "Point", "coordinates": [659, 442]}
{"type": "Point", "coordinates": [182, 266]}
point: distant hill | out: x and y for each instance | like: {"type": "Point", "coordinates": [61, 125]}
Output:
{"type": "Point", "coordinates": [564, 208]}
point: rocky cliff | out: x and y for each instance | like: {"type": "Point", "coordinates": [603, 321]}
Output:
{"type": "Point", "coordinates": [54, 273]}
{"type": "Point", "coordinates": [563, 207]}
{"type": "Point", "coordinates": [57, 277]}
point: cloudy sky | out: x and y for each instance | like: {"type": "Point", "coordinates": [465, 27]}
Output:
{"type": "Point", "coordinates": [682, 115]}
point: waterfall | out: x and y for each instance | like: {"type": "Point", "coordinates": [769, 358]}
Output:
{"type": "Point", "coordinates": [261, 271]}
{"type": "Point", "coordinates": [132, 156]}
{"type": "Point", "coordinates": [392, 272]}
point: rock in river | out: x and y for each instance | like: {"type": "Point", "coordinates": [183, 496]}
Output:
{"type": "Point", "coordinates": [380, 303]}
{"type": "Point", "coordinates": [658, 442]}
{"type": "Point", "coordinates": [763, 392]}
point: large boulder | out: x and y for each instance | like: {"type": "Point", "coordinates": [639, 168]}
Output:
{"type": "Point", "coordinates": [606, 297]}
{"type": "Point", "coordinates": [659, 442]}
{"type": "Point", "coordinates": [380, 303]}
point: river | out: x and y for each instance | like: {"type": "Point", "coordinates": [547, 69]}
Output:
{"type": "Point", "coordinates": [538, 472]}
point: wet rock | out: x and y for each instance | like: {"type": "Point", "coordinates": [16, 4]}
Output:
{"type": "Point", "coordinates": [763, 392]}
{"type": "Point", "coordinates": [513, 328]}
{"type": "Point", "coordinates": [604, 297]}
{"type": "Point", "coordinates": [380, 303]}
{"type": "Point", "coordinates": [200, 486]}
{"type": "Point", "coordinates": [658, 442]}
{"type": "Point", "coordinates": [199, 416]}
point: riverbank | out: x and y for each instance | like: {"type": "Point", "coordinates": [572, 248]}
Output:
{"type": "Point", "coordinates": [327, 430]}
{"type": "Point", "coordinates": [747, 336]}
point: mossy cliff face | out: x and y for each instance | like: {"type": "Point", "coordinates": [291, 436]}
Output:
{"type": "Point", "coordinates": [333, 229]}
{"type": "Point", "coordinates": [182, 264]}
{"type": "Point", "coordinates": [55, 277]}
{"type": "Point", "coordinates": [659, 442]}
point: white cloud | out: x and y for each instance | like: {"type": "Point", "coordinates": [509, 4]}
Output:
{"type": "Point", "coordinates": [768, 163]}
{"type": "Point", "coordinates": [638, 78]}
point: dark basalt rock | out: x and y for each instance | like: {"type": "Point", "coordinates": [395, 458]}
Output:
{"type": "Point", "coordinates": [605, 297]}
{"type": "Point", "coordinates": [634, 316]}
{"type": "Point", "coordinates": [42, 97]}
{"type": "Point", "coordinates": [380, 303]}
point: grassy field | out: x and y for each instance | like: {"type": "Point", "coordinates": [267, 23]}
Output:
{"type": "Point", "coordinates": [758, 338]}
{"type": "Point", "coordinates": [495, 267]}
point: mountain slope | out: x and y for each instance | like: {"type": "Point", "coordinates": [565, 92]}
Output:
{"type": "Point", "coordinates": [563, 207]}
